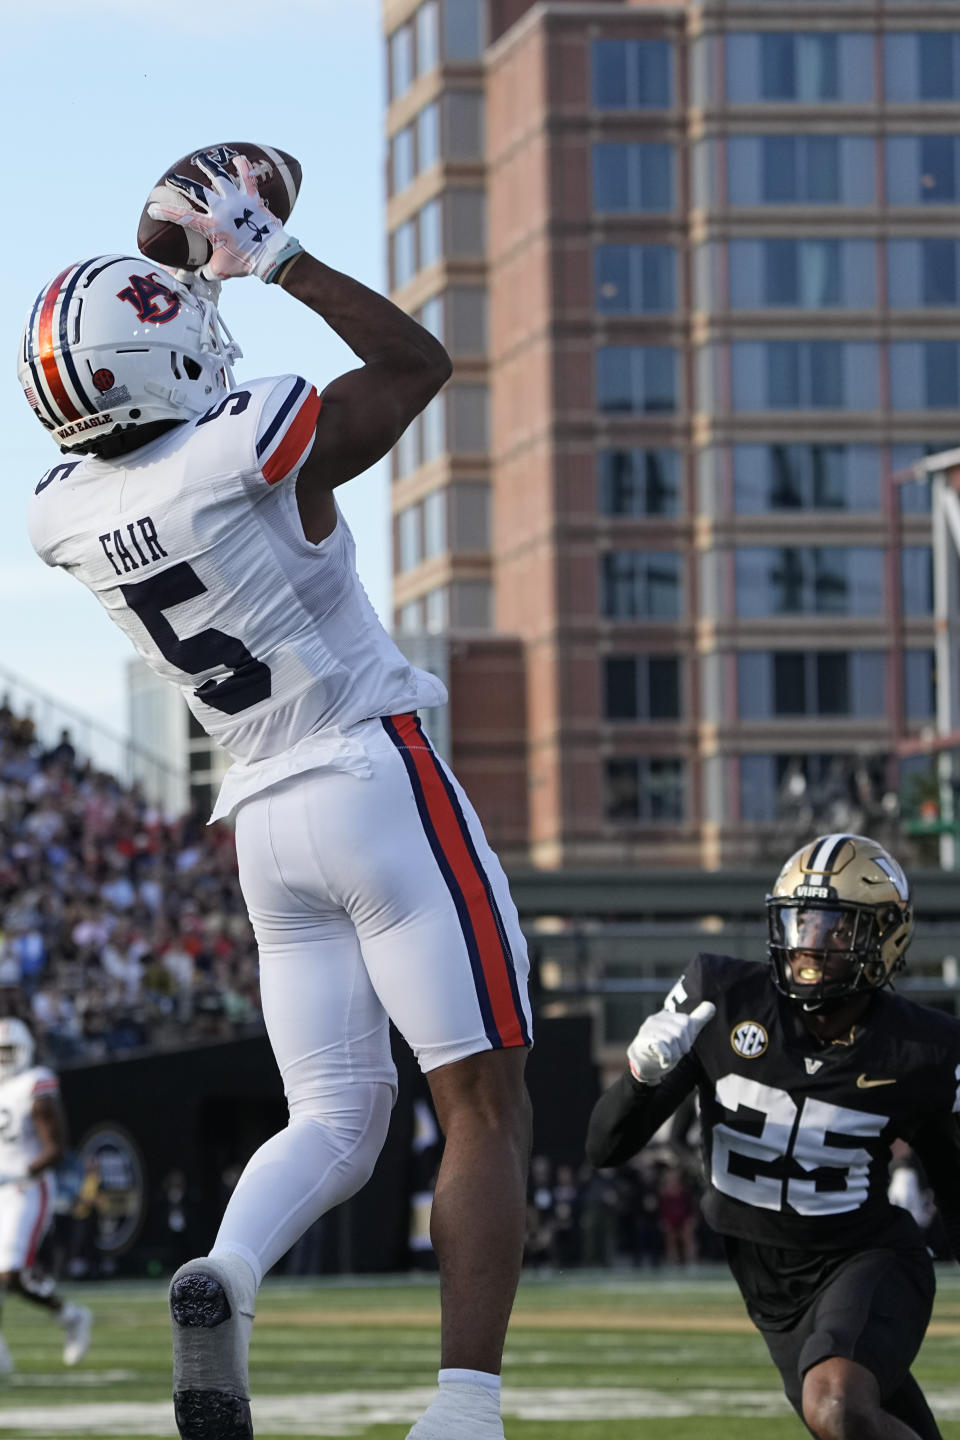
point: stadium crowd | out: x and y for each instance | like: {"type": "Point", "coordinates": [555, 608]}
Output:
{"type": "Point", "coordinates": [119, 928]}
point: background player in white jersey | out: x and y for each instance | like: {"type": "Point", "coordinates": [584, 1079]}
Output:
{"type": "Point", "coordinates": [808, 1071]}
{"type": "Point", "coordinates": [32, 1144]}
{"type": "Point", "coordinates": [202, 516]}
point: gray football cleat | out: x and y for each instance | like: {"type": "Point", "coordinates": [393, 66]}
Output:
{"type": "Point", "coordinates": [211, 1312]}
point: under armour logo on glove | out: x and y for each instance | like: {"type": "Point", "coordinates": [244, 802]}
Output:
{"type": "Point", "coordinates": [259, 232]}
{"type": "Point", "coordinates": [244, 237]}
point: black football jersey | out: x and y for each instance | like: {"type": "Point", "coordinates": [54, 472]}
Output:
{"type": "Point", "coordinates": [797, 1132]}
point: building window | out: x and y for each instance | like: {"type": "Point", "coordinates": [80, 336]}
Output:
{"type": "Point", "coordinates": [922, 169]}
{"type": "Point", "coordinates": [784, 684]}
{"type": "Point", "coordinates": [633, 176]}
{"type": "Point", "coordinates": [468, 319]}
{"type": "Point", "coordinates": [428, 137]}
{"type": "Point", "coordinates": [632, 74]}
{"type": "Point", "coordinates": [469, 418]}
{"type": "Point", "coordinates": [404, 249]}
{"type": "Point", "coordinates": [916, 579]}
{"type": "Point", "coordinates": [644, 789]}
{"type": "Point", "coordinates": [402, 166]}
{"type": "Point", "coordinates": [400, 61]}
{"type": "Point", "coordinates": [467, 222]}
{"type": "Point", "coordinates": [774, 785]}
{"type": "Point", "coordinates": [642, 585]}
{"type": "Point", "coordinates": [638, 482]}
{"type": "Point", "coordinates": [799, 67]}
{"type": "Point", "coordinates": [410, 617]}
{"type": "Point", "coordinates": [430, 231]}
{"type": "Point", "coordinates": [435, 524]}
{"type": "Point", "coordinates": [923, 272]}
{"type": "Point", "coordinates": [805, 375]}
{"type": "Point", "coordinates": [463, 29]}
{"type": "Point", "coordinates": [805, 477]}
{"type": "Point", "coordinates": [805, 274]}
{"type": "Point", "coordinates": [437, 610]}
{"type": "Point", "coordinates": [920, 684]}
{"type": "Point", "coordinates": [635, 279]}
{"type": "Point", "coordinates": [469, 503]}
{"type": "Point", "coordinates": [408, 534]}
{"type": "Point", "coordinates": [638, 379]}
{"type": "Point", "coordinates": [641, 687]}
{"type": "Point", "coordinates": [806, 68]}
{"type": "Point", "coordinates": [800, 170]}
{"type": "Point", "coordinates": [922, 66]}
{"type": "Point", "coordinates": [463, 125]}
{"type": "Point", "coordinates": [433, 429]}
{"type": "Point", "coordinates": [471, 605]}
{"type": "Point", "coordinates": [430, 316]}
{"type": "Point", "coordinates": [925, 375]}
{"type": "Point", "coordinates": [808, 580]}
{"type": "Point", "coordinates": [427, 26]}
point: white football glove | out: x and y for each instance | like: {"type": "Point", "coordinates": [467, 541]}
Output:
{"type": "Point", "coordinates": [663, 1040]}
{"type": "Point", "coordinates": [244, 237]}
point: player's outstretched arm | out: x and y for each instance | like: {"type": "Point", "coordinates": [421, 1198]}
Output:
{"type": "Point", "coordinates": [365, 411]}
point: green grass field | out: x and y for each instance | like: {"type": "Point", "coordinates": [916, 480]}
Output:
{"type": "Point", "coordinates": [662, 1358]}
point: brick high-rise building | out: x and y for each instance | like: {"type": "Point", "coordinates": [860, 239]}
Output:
{"type": "Point", "coordinates": [697, 269]}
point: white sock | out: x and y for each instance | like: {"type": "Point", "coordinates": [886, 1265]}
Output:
{"type": "Point", "coordinates": [471, 1377]}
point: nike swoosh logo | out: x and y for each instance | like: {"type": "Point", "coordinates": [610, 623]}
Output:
{"type": "Point", "coordinates": [864, 1084]}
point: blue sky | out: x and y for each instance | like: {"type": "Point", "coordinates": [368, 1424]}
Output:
{"type": "Point", "coordinates": [96, 104]}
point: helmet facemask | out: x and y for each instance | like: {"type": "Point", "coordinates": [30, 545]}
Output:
{"type": "Point", "coordinates": [824, 953]}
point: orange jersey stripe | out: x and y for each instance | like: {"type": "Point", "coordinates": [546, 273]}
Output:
{"type": "Point", "coordinates": [472, 883]}
{"type": "Point", "coordinates": [45, 348]}
{"type": "Point", "coordinates": [295, 440]}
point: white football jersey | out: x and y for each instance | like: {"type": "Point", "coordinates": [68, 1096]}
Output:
{"type": "Point", "coordinates": [19, 1144]}
{"type": "Point", "coordinates": [193, 545]}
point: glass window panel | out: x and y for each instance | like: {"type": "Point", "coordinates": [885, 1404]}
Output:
{"type": "Point", "coordinates": [783, 376]}
{"type": "Point", "coordinates": [407, 451]}
{"type": "Point", "coordinates": [935, 63]}
{"type": "Point", "coordinates": [468, 320]}
{"type": "Point", "coordinates": [758, 788]}
{"type": "Point", "coordinates": [828, 465]}
{"type": "Point", "coordinates": [400, 46]}
{"type": "Point", "coordinates": [430, 221]}
{"type": "Point", "coordinates": [620, 688]}
{"type": "Point", "coordinates": [778, 75]}
{"type": "Point", "coordinates": [662, 790]}
{"type": "Point", "coordinates": [663, 687]}
{"type": "Point", "coordinates": [938, 181]}
{"type": "Point", "coordinates": [471, 604]}
{"type": "Point", "coordinates": [655, 166]}
{"type": "Point", "coordinates": [463, 29]}
{"type": "Point", "coordinates": [427, 24]}
{"type": "Point", "coordinates": [754, 684]}
{"type": "Point", "coordinates": [608, 60]}
{"type": "Point", "coordinates": [468, 228]}
{"type": "Point", "coordinates": [464, 128]}
{"type": "Point", "coordinates": [868, 669]}
{"type": "Point", "coordinates": [639, 482]}
{"type": "Point", "coordinates": [916, 568]}
{"type": "Point", "coordinates": [920, 684]}
{"type": "Point", "coordinates": [789, 683]}
{"type": "Point", "coordinates": [428, 136]}
{"type": "Point", "coordinates": [659, 379]}
{"type": "Point", "coordinates": [657, 265]}
{"type": "Point", "coordinates": [404, 253]}
{"type": "Point", "coordinates": [832, 669]}
{"type": "Point", "coordinates": [435, 523]}
{"type": "Point", "coordinates": [941, 373]}
{"type": "Point", "coordinates": [402, 169]}
{"type": "Point", "coordinates": [819, 273]}
{"type": "Point", "coordinates": [434, 428]}
{"type": "Point", "coordinates": [621, 791]}
{"type": "Point", "coordinates": [651, 62]}
{"type": "Point", "coordinates": [614, 378]}
{"type": "Point", "coordinates": [469, 418]}
{"type": "Point", "coordinates": [408, 530]}
{"type": "Point", "coordinates": [781, 266]}
{"type": "Point", "coordinates": [939, 268]}
{"type": "Point", "coordinates": [612, 276]}
{"type": "Point", "coordinates": [437, 610]}
{"type": "Point", "coordinates": [470, 516]}
{"type": "Point", "coordinates": [642, 585]}
{"type": "Point", "coordinates": [431, 316]}
{"type": "Point", "coordinates": [410, 617]}
{"type": "Point", "coordinates": [831, 581]}
{"type": "Point", "coordinates": [822, 169]}
{"type": "Point", "coordinates": [779, 174]}
{"type": "Point", "coordinates": [825, 358]}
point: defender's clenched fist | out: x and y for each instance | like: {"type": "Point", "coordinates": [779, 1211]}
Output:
{"type": "Point", "coordinates": [663, 1040]}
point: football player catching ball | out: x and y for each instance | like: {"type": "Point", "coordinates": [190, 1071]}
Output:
{"type": "Point", "coordinates": [806, 1072]}
{"type": "Point", "coordinates": [201, 513]}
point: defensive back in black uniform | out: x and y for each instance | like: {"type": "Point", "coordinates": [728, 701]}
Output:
{"type": "Point", "coordinates": [806, 1071]}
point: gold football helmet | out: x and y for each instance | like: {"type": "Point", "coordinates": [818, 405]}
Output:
{"type": "Point", "coordinates": [840, 918]}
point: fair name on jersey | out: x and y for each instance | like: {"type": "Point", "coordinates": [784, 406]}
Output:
{"type": "Point", "coordinates": [121, 551]}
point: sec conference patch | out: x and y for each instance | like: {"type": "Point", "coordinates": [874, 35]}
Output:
{"type": "Point", "coordinates": [749, 1039]}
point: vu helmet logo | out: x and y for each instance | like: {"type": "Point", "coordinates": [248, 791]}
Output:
{"type": "Point", "coordinates": [749, 1039]}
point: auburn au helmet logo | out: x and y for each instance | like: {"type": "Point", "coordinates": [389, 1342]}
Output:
{"type": "Point", "coordinates": [749, 1039]}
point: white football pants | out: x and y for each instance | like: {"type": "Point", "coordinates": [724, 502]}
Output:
{"type": "Point", "coordinates": [26, 1211]}
{"type": "Point", "coordinates": [372, 899]}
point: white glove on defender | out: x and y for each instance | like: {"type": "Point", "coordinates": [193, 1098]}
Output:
{"type": "Point", "coordinates": [663, 1040]}
{"type": "Point", "coordinates": [244, 237]}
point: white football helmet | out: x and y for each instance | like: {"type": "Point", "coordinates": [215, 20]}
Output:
{"type": "Point", "coordinates": [16, 1048]}
{"type": "Point", "coordinates": [116, 342]}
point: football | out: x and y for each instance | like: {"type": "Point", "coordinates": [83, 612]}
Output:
{"type": "Point", "coordinates": [278, 178]}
